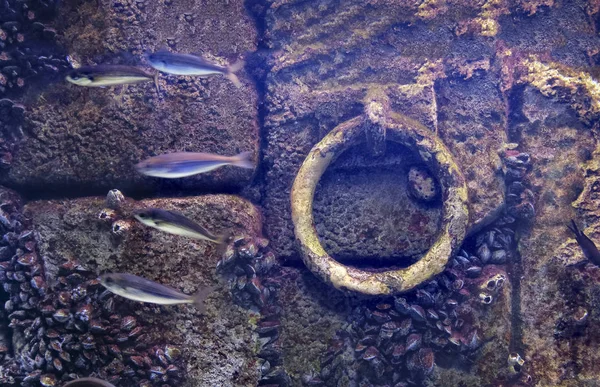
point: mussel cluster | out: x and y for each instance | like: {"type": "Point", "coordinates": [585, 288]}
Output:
{"type": "Point", "coordinates": [28, 48]}
{"type": "Point", "coordinates": [398, 339]}
{"type": "Point", "coordinates": [244, 259]}
{"type": "Point", "coordinates": [28, 52]}
{"type": "Point", "coordinates": [65, 325]}
{"type": "Point", "coordinates": [519, 198]}
{"type": "Point", "coordinates": [11, 121]}
{"type": "Point", "coordinates": [10, 227]}
{"type": "Point", "coordinates": [252, 272]}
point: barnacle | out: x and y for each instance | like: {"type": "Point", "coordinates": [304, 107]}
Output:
{"type": "Point", "coordinates": [121, 227]}
{"type": "Point", "coordinates": [108, 215]}
{"type": "Point", "coordinates": [114, 199]}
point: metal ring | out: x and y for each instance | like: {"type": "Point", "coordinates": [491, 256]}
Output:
{"type": "Point", "coordinates": [454, 212]}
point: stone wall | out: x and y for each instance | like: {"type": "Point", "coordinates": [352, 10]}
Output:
{"type": "Point", "coordinates": [505, 85]}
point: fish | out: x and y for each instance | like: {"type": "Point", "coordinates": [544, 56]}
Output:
{"type": "Point", "coordinates": [110, 75]}
{"type": "Point", "coordinates": [173, 222]}
{"type": "Point", "coordinates": [140, 289]}
{"type": "Point", "coordinates": [89, 382]}
{"type": "Point", "coordinates": [590, 251]}
{"type": "Point", "coordinates": [187, 64]}
{"type": "Point", "coordinates": [183, 164]}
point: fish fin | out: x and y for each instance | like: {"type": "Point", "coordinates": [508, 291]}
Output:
{"type": "Point", "coordinates": [201, 296]}
{"type": "Point", "coordinates": [574, 229]}
{"type": "Point", "coordinates": [243, 160]}
{"type": "Point", "coordinates": [234, 79]}
{"type": "Point", "coordinates": [237, 66]}
{"type": "Point", "coordinates": [232, 69]}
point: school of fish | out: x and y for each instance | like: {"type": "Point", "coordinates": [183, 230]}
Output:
{"type": "Point", "coordinates": [167, 166]}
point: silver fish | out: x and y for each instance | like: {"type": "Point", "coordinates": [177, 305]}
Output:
{"type": "Point", "coordinates": [89, 382]}
{"type": "Point", "coordinates": [110, 75]}
{"type": "Point", "coordinates": [186, 64]}
{"type": "Point", "coordinates": [176, 223]}
{"type": "Point", "coordinates": [182, 164]}
{"type": "Point", "coordinates": [140, 289]}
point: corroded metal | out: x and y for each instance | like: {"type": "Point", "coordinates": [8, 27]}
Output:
{"type": "Point", "coordinates": [455, 213]}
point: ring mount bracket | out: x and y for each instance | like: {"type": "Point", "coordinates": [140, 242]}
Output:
{"type": "Point", "coordinates": [376, 111]}
{"type": "Point", "coordinates": [416, 137]}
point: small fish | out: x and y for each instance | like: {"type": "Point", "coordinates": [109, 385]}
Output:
{"type": "Point", "coordinates": [590, 251]}
{"type": "Point", "coordinates": [140, 289]}
{"type": "Point", "coordinates": [110, 75]}
{"type": "Point", "coordinates": [186, 64]}
{"type": "Point", "coordinates": [173, 222]}
{"type": "Point", "coordinates": [182, 164]}
{"type": "Point", "coordinates": [89, 382]}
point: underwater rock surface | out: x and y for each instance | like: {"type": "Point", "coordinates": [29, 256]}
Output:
{"type": "Point", "coordinates": [559, 298]}
{"type": "Point", "coordinates": [216, 347]}
{"type": "Point", "coordinates": [321, 75]}
{"type": "Point", "coordinates": [480, 75]}
{"type": "Point", "coordinates": [370, 218]}
{"type": "Point", "coordinates": [88, 140]}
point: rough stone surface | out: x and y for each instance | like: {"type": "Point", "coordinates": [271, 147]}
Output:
{"type": "Point", "coordinates": [217, 346]}
{"type": "Point", "coordinates": [82, 139]}
{"type": "Point", "coordinates": [480, 77]}
{"type": "Point", "coordinates": [321, 75]}
{"type": "Point", "coordinates": [365, 218]}
{"type": "Point", "coordinates": [552, 288]}
{"type": "Point", "coordinates": [479, 74]}
{"type": "Point", "coordinates": [313, 312]}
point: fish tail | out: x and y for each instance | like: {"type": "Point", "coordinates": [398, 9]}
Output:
{"type": "Point", "coordinates": [156, 83]}
{"type": "Point", "coordinates": [222, 242]}
{"type": "Point", "coordinates": [224, 238]}
{"type": "Point", "coordinates": [201, 296]}
{"type": "Point", "coordinates": [243, 160]}
{"type": "Point", "coordinates": [232, 69]}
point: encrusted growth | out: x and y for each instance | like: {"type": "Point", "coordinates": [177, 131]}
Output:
{"type": "Point", "coordinates": [393, 338]}
{"type": "Point", "coordinates": [28, 53]}
{"type": "Point", "coordinates": [68, 326]}
{"type": "Point", "coordinates": [399, 339]}
{"type": "Point", "coordinates": [578, 88]}
{"type": "Point", "coordinates": [254, 280]}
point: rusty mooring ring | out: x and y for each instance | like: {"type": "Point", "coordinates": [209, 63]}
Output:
{"type": "Point", "coordinates": [454, 211]}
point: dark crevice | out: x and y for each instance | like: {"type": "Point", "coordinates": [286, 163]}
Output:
{"type": "Point", "coordinates": [515, 127]}
{"type": "Point", "coordinates": [5, 331]}
{"type": "Point", "coordinates": [515, 119]}
{"type": "Point", "coordinates": [258, 66]}
{"type": "Point", "coordinates": [515, 271]}
{"type": "Point", "coordinates": [30, 193]}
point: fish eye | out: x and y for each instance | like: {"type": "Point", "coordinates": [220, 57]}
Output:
{"type": "Point", "coordinates": [109, 280]}
{"type": "Point", "coordinates": [142, 215]}
{"type": "Point", "coordinates": [75, 77]}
